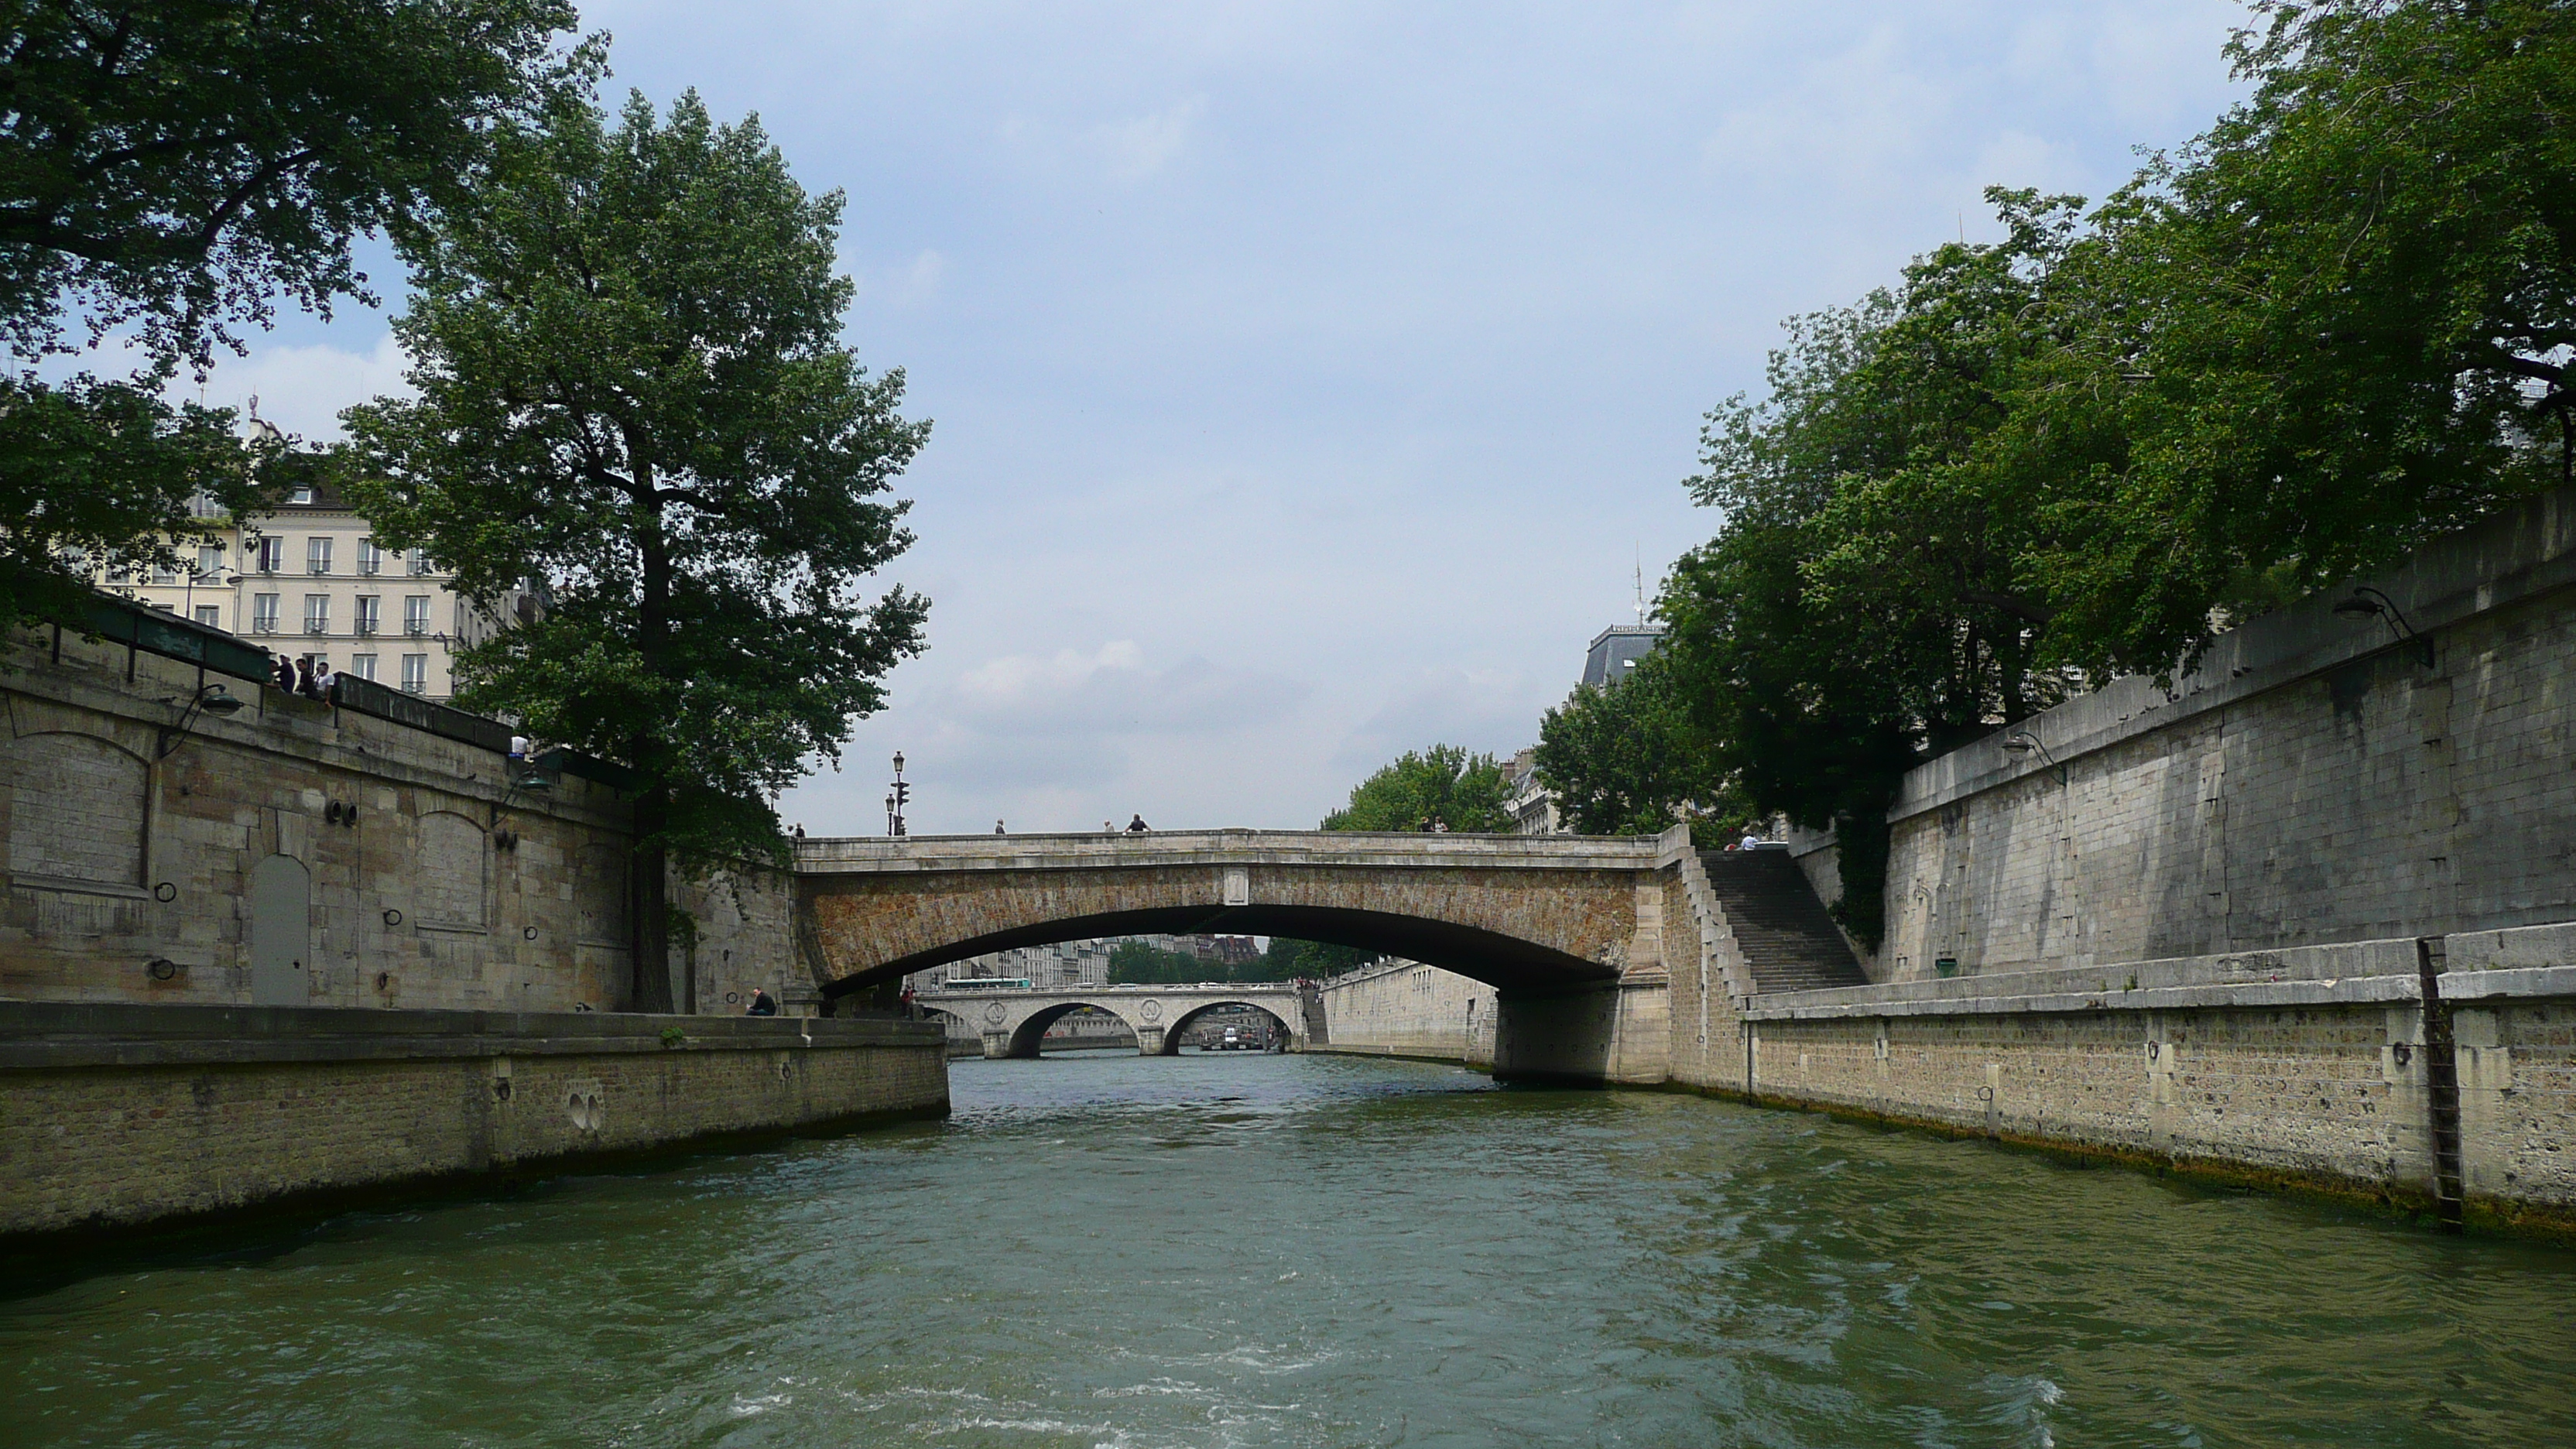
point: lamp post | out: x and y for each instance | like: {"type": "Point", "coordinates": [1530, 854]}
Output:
{"type": "Point", "coordinates": [900, 796]}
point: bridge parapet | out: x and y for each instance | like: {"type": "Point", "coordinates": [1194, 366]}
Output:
{"type": "Point", "coordinates": [1170, 849]}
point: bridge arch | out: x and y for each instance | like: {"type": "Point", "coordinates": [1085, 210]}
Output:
{"type": "Point", "coordinates": [1028, 1038]}
{"type": "Point", "coordinates": [1568, 929]}
{"type": "Point", "coordinates": [1178, 1030]}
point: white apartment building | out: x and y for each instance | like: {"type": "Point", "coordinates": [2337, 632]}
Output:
{"type": "Point", "coordinates": [309, 581]}
{"type": "Point", "coordinates": [1065, 963]}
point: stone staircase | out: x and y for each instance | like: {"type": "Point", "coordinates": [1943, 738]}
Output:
{"type": "Point", "coordinates": [1780, 928]}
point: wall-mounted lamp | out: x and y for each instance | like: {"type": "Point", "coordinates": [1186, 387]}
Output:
{"type": "Point", "coordinates": [2022, 742]}
{"type": "Point", "coordinates": [212, 699]}
{"type": "Point", "coordinates": [2369, 603]}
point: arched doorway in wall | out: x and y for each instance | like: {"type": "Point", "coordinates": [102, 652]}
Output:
{"type": "Point", "coordinates": [281, 932]}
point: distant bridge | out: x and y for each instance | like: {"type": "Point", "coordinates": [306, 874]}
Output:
{"type": "Point", "coordinates": [1569, 929]}
{"type": "Point", "coordinates": [1013, 1020]}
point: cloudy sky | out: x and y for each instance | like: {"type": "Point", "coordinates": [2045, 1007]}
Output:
{"type": "Point", "coordinates": [1309, 379]}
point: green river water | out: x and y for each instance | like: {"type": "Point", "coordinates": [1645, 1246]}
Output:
{"type": "Point", "coordinates": [1252, 1250]}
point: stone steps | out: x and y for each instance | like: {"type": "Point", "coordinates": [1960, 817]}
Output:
{"type": "Point", "coordinates": [1781, 929]}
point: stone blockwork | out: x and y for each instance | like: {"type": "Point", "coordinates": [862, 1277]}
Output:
{"type": "Point", "coordinates": [1408, 1009]}
{"type": "Point", "coordinates": [2317, 779]}
{"type": "Point", "coordinates": [295, 853]}
{"type": "Point", "coordinates": [1536, 911]}
{"type": "Point", "coordinates": [122, 1115]}
{"type": "Point", "coordinates": [1569, 930]}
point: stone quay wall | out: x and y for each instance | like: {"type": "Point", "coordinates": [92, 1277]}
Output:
{"type": "Point", "coordinates": [1407, 1009]}
{"type": "Point", "coordinates": [2182, 927]}
{"type": "Point", "coordinates": [2318, 779]}
{"type": "Point", "coordinates": [118, 1115]}
{"type": "Point", "coordinates": [299, 854]}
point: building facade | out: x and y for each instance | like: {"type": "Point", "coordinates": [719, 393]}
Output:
{"type": "Point", "coordinates": [310, 582]}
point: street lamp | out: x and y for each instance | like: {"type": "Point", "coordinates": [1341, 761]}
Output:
{"type": "Point", "coordinates": [211, 699]}
{"type": "Point", "coordinates": [900, 797]}
{"type": "Point", "coordinates": [2369, 603]}
{"type": "Point", "coordinates": [2022, 742]}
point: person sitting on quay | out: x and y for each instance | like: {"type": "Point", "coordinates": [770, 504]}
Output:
{"type": "Point", "coordinates": [762, 1003]}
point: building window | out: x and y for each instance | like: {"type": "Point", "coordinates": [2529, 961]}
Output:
{"type": "Point", "coordinates": [210, 560]}
{"type": "Point", "coordinates": [300, 493]}
{"type": "Point", "coordinates": [165, 573]}
{"type": "Point", "coordinates": [317, 555]}
{"type": "Point", "coordinates": [263, 613]}
{"type": "Point", "coordinates": [317, 613]}
{"type": "Point", "coordinates": [363, 665]}
{"type": "Point", "coordinates": [371, 559]}
{"type": "Point", "coordinates": [416, 614]}
{"type": "Point", "coordinates": [416, 561]}
{"type": "Point", "coordinates": [371, 610]}
{"type": "Point", "coordinates": [415, 678]}
{"type": "Point", "coordinates": [272, 555]}
{"type": "Point", "coordinates": [211, 615]}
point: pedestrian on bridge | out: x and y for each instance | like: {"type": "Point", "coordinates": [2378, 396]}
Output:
{"type": "Point", "coordinates": [1136, 825]}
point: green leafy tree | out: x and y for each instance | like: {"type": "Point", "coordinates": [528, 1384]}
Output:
{"type": "Point", "coordinates": [104, 475]}
{"type": "Point", "coordinates": [633, 394]}
{"type": "Point", "coordinates": [1626, 759]}
{"type": "Point", "coordinates": [1289, 960]}
{"type": "Point", "coordinates": [171, 169]}
{"type": "Point", "coordinates": [1444, 783]}
{"type": "Point", "coordinates": [1142, 963]}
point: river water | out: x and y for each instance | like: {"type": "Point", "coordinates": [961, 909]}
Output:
{"type": "Point", "coordinates": [1253, 1250]}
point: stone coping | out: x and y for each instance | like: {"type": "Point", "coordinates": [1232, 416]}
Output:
{"type": "Point", "coordinates": [39, 1035]}
{"type": "Point", "coordinates": [2528, 961]}
{"type": "Point", "coordinates": [861, 855]}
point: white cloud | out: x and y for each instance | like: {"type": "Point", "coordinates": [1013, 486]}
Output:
{"type": "Point", "coordinates": [303, 388]}
{"type": "Point", "coordinates": [1136, 148]}
{"type": "Point", "coordinates": [915, 283]}
{"type": "Point", "coordinates": [1111, 692]}
{"type": "Point", "coordinates": [1125, 152]}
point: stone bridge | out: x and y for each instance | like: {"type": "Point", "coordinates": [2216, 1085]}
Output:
{"type": "Point", "coordinates": [1012, 1021]}
{"type": "Point", "coordinates": [1568, 929]}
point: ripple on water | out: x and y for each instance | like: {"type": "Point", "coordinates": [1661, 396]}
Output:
{"type": "Point", "coordinates": [1313, 1251]}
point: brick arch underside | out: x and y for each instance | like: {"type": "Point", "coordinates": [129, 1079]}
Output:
{"type": "Point", "coordinates": [1505, 962]}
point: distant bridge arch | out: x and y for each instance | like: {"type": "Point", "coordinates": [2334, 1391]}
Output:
{"type": "Point", "coordinates": [1013, 1021]}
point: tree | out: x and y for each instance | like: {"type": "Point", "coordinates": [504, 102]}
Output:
{"type": "Point", "coordinates": [1290, 960]}
{"type": "Point", "coordinates": [1625, 759]}
{"type": "Point", "coordinates": [1861, 606]}
{"type": "Point", "coordinates": [1141, 963]}
{"type": "Point", "coordinates": [1444, 783]}
{"type": "Point", "coordinates": [2334, 325]}
{"type": "Point", "coordinates": [106, 475]}
{"type": "Point", "coordinates": [172, 168]}
{"type": "Point", "coordinates": [632, 394]}
{"type": "Point", "coordinates": [175, 165]}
